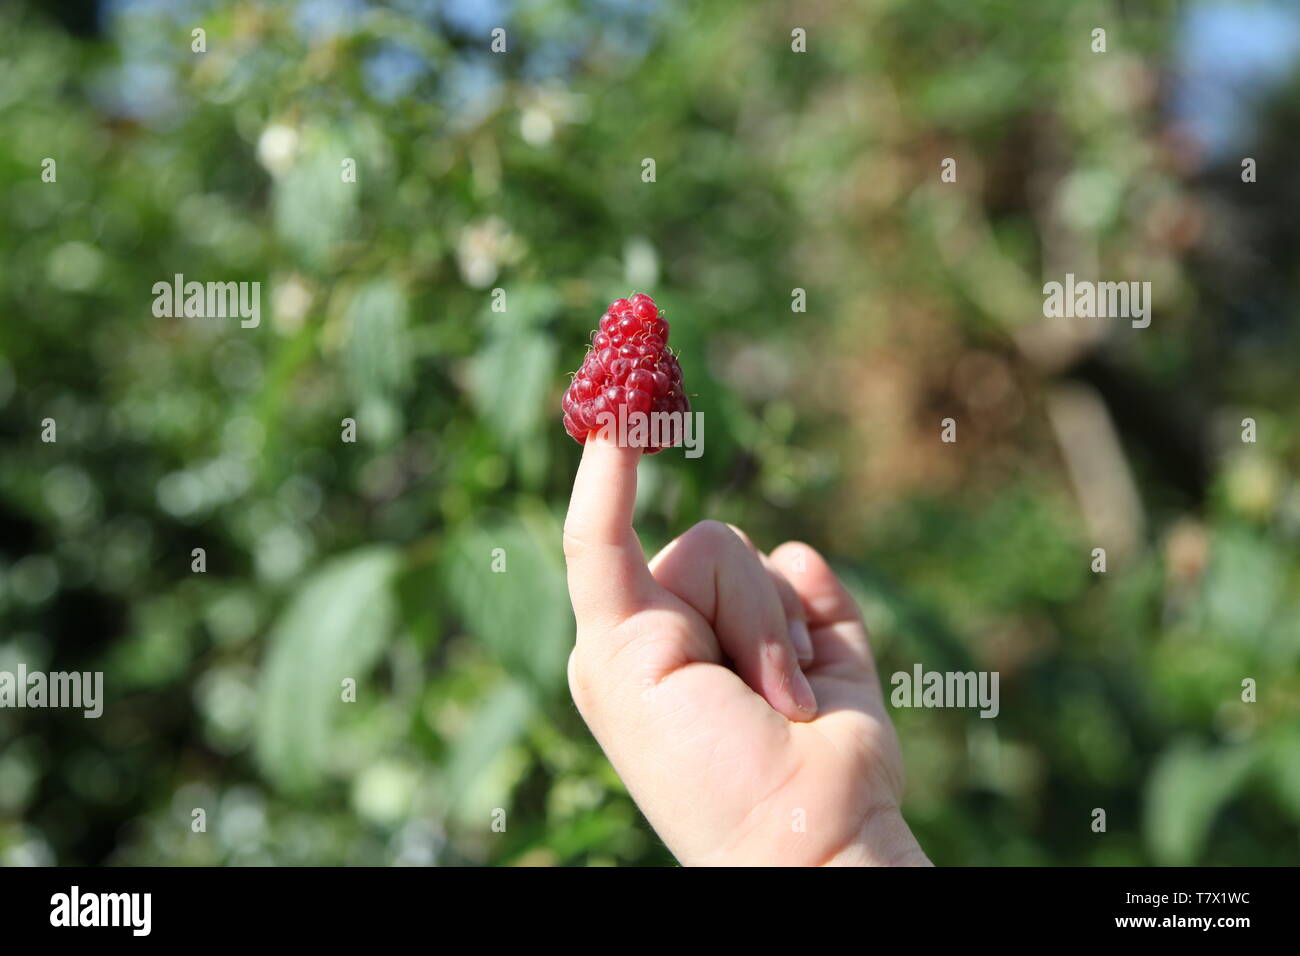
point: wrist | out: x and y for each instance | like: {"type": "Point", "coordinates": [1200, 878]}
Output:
{"type": "Point", "coordinates": [885, 839]}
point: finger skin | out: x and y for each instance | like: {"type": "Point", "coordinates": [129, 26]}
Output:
{"type": "Point", "coordinates": [714, 571]}
{"type": "Point", "coordinates": [796, 618]}
{"type": "Point", "coordinates": [716, 769]}
{"type": "Point", "coordinates": [697, 748]}
{"type": "Point", "coordinates": [838, 633]}
{"type": "Point", "coordinates": [853, 712]}
{"type": "Point", "coordinates": [608, 577]}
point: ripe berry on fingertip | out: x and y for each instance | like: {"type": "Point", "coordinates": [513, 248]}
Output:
{"type": "Point", "coordinates": [629, 367]}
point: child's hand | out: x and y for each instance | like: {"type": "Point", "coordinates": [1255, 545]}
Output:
{"type": "Point", "coordinates": [688, 673]}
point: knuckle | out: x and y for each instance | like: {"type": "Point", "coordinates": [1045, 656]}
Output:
{"type": "Point", "coordinates": [795, 549]}
{"type": "Point", "coordinates": [573, 545]}
{"type": "Point", "coordinates": [580, 685]}
{"type": "Point", "coordinates": [744, 538]}
{"type": "Point", "coordinates": [712, 532]}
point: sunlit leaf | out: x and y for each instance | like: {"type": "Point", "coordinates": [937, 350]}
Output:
{"type": "Point", "coordinates": [1187, 790]}
{"type": "Point", "coordinates": [377, 354]}
{"type": "Point", "coordinates": [511, 380]}
{"type": "Point", "coordinates": [333, 628]}
{"type": "Point", "coordinates": [477, 777]}
{"type": "Point", "coordinates": [520, 613]}
{"type": "Point", "coordinates": [314, 207]}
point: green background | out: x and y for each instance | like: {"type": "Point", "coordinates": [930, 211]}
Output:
{"type": "Point", "coordinates": [521, 171]}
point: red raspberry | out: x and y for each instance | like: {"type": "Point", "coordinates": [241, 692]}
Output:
{"type": "Point", "coordinates": [629, 366]}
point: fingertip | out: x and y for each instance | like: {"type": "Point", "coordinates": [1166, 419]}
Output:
{"type": "Point", "coordinates": [782, 683]}
{"type": "Point", "coordinates": [604, 491]}
{"type": "Point", "coordinates": [804, 698]}
{"type": "Point", "coordinates": [801, 640]}
{"type": "Point", "coordinates": [824, 597]}
{"type": "Point", "coordinates": [796, 557]}
{"type": "Point", "coordinates": [602, 444]}
{"type": "Point", "coordinates": [608, 577]}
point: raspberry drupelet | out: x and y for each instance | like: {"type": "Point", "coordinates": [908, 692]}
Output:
{"type": "Point", "coordinates": [629, 365]}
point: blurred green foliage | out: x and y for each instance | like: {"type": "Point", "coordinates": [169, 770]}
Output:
{"type": "Point", "coordinates": [522, 171]}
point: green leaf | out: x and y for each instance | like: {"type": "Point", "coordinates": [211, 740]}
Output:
{"type": "Point", "coordinates": [377, 358]}
{"type": "Point", "coordinates": [1189, 786]}
{"type": "Point", "coordinates": [1284, 757]}
{"type": "Point", "coordinates": [510, 380]}
{"type": "Point", "coordinates": [377, 353]}
{"type": "Point", "coordinates": [1243, 585]}
{"type": "Point", "coordinates": [334, 628]}
{"type": "Point", "coordinates": [314, 208]}
{"type": "Point", "coordinates": [479, 773]}
{"type": "Point", "coordinates": [520, 613]}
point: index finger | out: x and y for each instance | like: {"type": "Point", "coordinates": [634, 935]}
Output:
{"type": "Point", "coordinates": [608, 576]}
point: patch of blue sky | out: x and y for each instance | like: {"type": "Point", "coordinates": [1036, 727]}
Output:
{"type": "Point", "coordinates": [1228, 56]}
